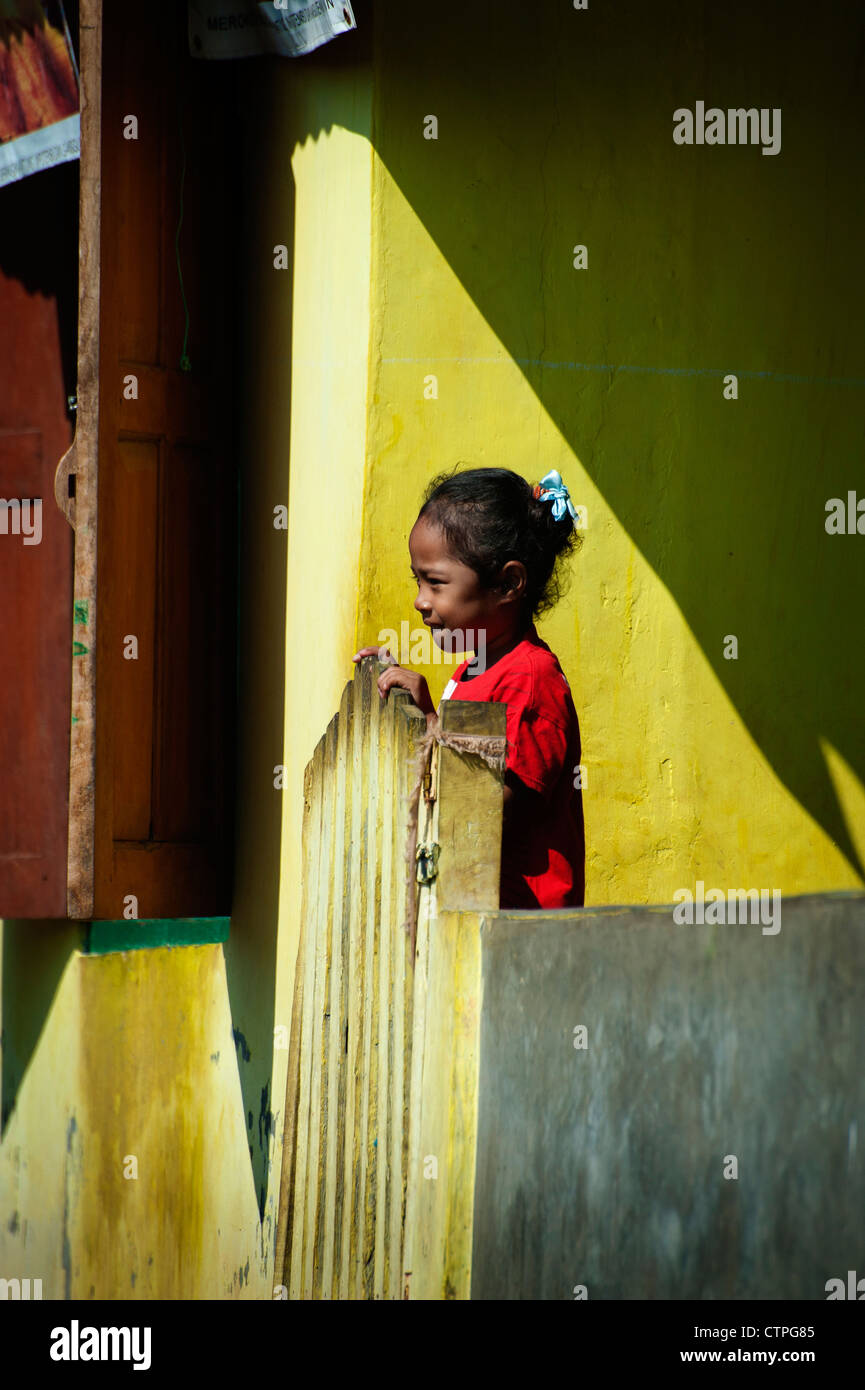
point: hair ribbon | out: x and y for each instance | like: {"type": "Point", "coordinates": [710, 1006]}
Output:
{"type": "Point", "coordinates": [552, 489]}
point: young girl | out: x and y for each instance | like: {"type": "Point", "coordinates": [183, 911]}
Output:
{"type": "Point", "coordinates": [484, 553]}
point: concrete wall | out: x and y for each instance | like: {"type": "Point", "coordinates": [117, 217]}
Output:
{"type": "Point", "coordinates": [603, 1165]}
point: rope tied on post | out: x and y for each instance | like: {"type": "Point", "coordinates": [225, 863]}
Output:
{"type": "Point", "coordinates": [490, 748]}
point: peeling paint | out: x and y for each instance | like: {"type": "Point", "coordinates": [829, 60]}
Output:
{"type": "Point", "coordinates": [265, 1119]}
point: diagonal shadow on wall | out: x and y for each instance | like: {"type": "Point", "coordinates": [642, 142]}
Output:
{"type": "Point", "coordinates": [555, 129]}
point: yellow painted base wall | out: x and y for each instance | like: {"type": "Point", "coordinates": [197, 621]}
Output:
{"type": "Point", "coordinates": [124, 1170]}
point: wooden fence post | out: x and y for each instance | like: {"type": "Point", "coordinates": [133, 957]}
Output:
{"type": "Point", "coordinates": [466, 825]}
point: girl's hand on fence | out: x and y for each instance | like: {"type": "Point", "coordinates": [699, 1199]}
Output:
{"type": "Point", "coordinates": [381, 652]}
{"type": "Point", "coordinates": [412, 681]}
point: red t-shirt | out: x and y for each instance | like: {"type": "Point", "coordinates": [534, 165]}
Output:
{"type": "Point", "coordinates": [543, 843]}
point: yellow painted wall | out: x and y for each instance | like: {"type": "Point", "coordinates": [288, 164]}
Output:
{"type": "Point", "coordinates": [308, 186]}
{"type": "Point", "coordinates": [124, 1171]}
{"type": "Point", "coordinates": [705, 516]}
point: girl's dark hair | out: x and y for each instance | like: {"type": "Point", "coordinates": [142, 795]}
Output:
{"type": "Point", "coordinates": [490, 516]}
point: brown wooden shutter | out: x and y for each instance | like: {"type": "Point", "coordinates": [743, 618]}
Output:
{"type": "Point", "coordinates": [151, 782]}
{"type": "Point", "coordinates": [38, 274]}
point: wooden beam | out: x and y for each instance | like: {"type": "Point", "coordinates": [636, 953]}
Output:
{"type": "Point", "coordinates": [80, 463]}
{"type": "Point", "coordinates": [469, 797]}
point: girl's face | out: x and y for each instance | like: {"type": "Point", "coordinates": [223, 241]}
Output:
{"type": "Point", "coordinates": [450, 597]}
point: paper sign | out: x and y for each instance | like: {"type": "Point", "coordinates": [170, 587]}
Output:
{"type": "Point", "coordinates": [234, 29]}
{"type": "Point", "coordinates": [39, 121]}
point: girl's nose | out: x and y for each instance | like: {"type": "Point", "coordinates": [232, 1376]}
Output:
{"type": "Point", "coordinates": [421, 604]}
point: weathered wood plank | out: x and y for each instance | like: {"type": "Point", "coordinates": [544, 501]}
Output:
{"type": "Point", "coordinates": [333, 1023]}
{"type": "Point", "coordinates": [410, 726]}
{"type": "Point", "coordinates": [307, 958]}
{"type": "Point", "coordinates": [320, 1098]}
{"type": "Point", "coordinates": [385, 1051]}
{"type": "Point", "coordinates": [368, 1135]}
{"type": "Point", "coordinates": [450, 1107]}
{"type": "Point", "coordinates": [354, 995]}
{"type": "Point", "coordinates": [81, 461]}
{"type": "Point", "coordinates": [385, 1030]}
{"type": "Point", "coordinates": [415, 1253]}
{"type": "Point", "coordinates": [470, 793]}
{"type": "Point", "coordinates": [288, 1173]}
{"type": "Point", "coordinates": [466, 823]}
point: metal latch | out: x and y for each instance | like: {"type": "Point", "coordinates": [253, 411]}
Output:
{"type": "Point", "coordinates": [430, 779]}
{"type": "Point", "coordinates": [427, 856]}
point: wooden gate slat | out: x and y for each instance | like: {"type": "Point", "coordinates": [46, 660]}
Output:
{"type": "Point", "coordinates": [371, 1071]}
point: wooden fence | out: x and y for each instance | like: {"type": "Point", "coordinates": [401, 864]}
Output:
{"type": "Point", "coordinates": [611, 1177]}
{"type": "Point", "coordinates": [381, 1099]}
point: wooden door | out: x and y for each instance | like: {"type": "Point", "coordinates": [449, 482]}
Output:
{"type": "Point", "coordinates": [155, 507]}
{"type": "Point", "coordinates": [38, 290]}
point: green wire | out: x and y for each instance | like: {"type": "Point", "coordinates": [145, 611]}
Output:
{"type": "Point", "coordinates": [185, 364]}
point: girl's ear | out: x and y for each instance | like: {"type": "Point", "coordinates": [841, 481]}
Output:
{"type": "Point", "coordinates": [513, 579]}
